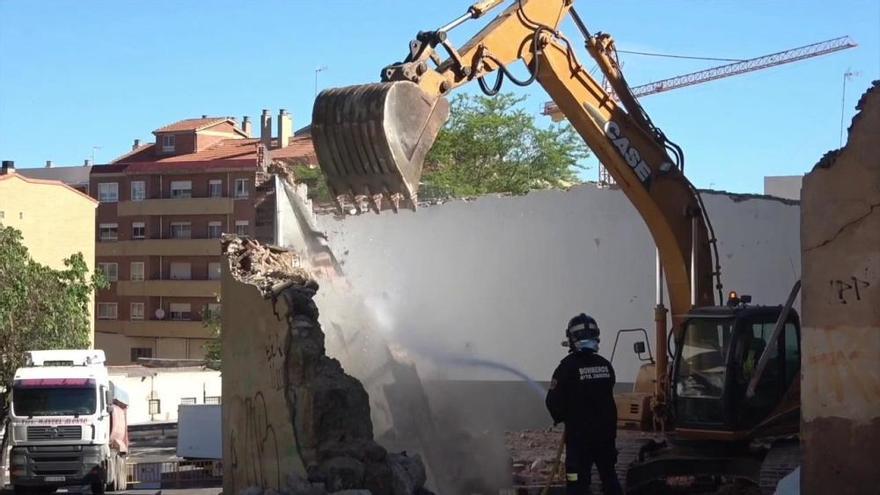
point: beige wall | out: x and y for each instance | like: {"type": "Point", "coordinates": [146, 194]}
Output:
{"type": "Point", "coordinates": [56, 221]}
{"type": "Point", "coordinates": [259, 444]}
{"type": "Point", "coordinates": [841, 313]}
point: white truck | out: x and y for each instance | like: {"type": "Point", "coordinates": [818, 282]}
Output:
{"type": "Point", "coordinates": [67, 424]}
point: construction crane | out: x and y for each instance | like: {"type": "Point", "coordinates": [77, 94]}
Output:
{"type": "Point", "coordinates": [728, 70]}
{"type": "Point", "coordinates": [714, 73]}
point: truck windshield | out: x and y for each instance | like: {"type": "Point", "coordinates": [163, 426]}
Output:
{"type": "Point", "coordinates": [702, 366]}
{"type": "Point", "coordinates": [54, 401]}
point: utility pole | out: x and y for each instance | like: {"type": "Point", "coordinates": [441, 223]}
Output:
{"type": "Point", "coordinates": [317, 70]}
{"type": "Point", "coordinates": [846, 76]}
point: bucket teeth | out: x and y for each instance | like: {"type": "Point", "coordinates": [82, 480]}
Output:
{"type": "Point", "coordinates": [377, 202]}
{"type": "Point", "coordinates": [371, 141]}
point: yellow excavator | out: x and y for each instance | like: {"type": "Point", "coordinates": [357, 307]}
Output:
{"type": "Point", "coordinates": [727, 408]}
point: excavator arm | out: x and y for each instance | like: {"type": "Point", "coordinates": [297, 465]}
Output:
{"type": "Point", "coordinates": [372, 140]}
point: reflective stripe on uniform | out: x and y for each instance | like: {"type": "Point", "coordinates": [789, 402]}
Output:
{"type": "Point", "coordinates": [571, 476]}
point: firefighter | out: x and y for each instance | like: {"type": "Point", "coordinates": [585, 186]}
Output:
{"type": "Point", "coordinates": [582, 396]}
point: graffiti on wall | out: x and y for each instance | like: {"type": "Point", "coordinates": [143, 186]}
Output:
{"type": "Point", "coordinates": [254, 447]}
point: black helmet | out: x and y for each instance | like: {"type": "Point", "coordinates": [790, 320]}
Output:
{"type": "Point", "coordinates": [582, 328]}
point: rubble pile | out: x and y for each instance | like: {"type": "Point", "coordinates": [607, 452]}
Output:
{"type": "Point", "coordinates": [329, 409]}
{"type": "Point", "coordinates": [534, 455]}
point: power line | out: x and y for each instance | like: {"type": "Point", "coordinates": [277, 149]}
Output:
{"type": "Point", "coordinates": [689, 57]}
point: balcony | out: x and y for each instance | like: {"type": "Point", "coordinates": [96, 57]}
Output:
{"type": "Point", "coordinates": [169, 288]}
{"type": "Point", "coordinates": [155, 328]}
{"type": "Point", "coordinates": [160, 247]}
{"type": "Point", "coordinates": [175, 206]}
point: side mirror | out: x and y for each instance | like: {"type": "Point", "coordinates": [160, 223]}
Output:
{"type": "Point", "coordinates": [639, 348]}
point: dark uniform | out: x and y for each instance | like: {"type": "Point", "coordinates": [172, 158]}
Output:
{"type": "Point", "coordinates": [581, 396]}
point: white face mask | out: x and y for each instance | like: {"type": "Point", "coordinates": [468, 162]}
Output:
{"type": "Point", "coordinates": [587, 344]}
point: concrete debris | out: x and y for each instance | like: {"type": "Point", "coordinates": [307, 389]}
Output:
{"type": "Point", "coordinates": [269, 268]}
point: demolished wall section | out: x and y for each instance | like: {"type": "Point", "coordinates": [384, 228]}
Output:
{"type": "Point", "coordinates": [294, 421]}
{"type": "Point", "coordinates": [841, 315]}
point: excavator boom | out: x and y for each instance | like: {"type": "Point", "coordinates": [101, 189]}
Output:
{"type": "Point", "coordinates": [372, 139]}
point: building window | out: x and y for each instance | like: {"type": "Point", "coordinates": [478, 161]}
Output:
{"type": "Point", "coordinates": [137, 311]}
{"type": "Point", "coordinates": [110, 271]}
{"type": "Point", "coordinates": [2, 214]}
{"type": "Point", "coordinates": [108, 192]}
{"type": "Point", "coordinates": [241, 188]}
{"type": "Point", "coordinates": [215, 188]}
{"type": "Point", "coordinates": [155, 406]}
{"type": "Point", "coordinates": [213, 400]}
{"type": "Point", "coordinates": [108, 231]}
{"type": "Point", "coordinates": [137, 271]}
{"type": "Point", "coordinates": [138, 190]}
{"type": "Point", "coordinates": [181, 230]}
{"type": "Point", "coordinates": [213, 271]}
{"type": "Point", "coordinates": [168, 143]}
{"type": "Point", "coordinates": [138, 230]}
{"type": "Point", "coordinates": [241, 227]}
{"type": "Point", "coordinates": [107, 311]}
{"type": "Point", "coordinates": [180, 311]}
{"type": "Point", "coordinates": [140, 352]}
{"type": "Point", "coordinates": [212, 310]}
{"type": "Point", "coordinates": [188, 401]}
{"type": "Point", "coordinates": [215, 230]}
{"type": "Point", "coordinates": [181, 189]}
{"type": "Point", "coordinates": [180, 271]}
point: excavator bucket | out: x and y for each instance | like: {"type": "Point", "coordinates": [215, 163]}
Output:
{"type": "Point", "coordinates": [372, 140]}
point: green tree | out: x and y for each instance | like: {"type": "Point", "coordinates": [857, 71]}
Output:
{"type": "Point", "coordinates": [213, 349]}
{"type": "Point", "coordinates": [492, 145]}
{"type": "Point", "coordinates": [40, 307]}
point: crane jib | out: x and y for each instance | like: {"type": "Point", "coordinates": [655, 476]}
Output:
{"type": "Point", "coordinates": [631, 155]}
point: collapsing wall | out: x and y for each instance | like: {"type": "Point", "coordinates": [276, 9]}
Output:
{"type": "Point", "coordinates": [457, 461]}
{"type": "Point", "coordinates": [841, 315]}
{"type": "Point", "coordinates": [293, 421]}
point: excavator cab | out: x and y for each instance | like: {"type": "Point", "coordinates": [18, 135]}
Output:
{"type": "Point", "coordinates": [717, 358]}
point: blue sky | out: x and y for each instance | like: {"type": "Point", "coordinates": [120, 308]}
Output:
{"type": "Point", "coordinates": [78, 74]}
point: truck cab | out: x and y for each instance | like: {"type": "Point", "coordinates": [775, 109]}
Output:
{"type": "Point", "coordinates": [67, 423]}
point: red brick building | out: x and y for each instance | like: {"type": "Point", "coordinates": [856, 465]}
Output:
{"type": "Point", "coordinates": [163, 208]}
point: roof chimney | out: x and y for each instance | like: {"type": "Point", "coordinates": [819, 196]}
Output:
{"type": "Point", "coordinates": [87, 163]}
{"type": "Point", "coordinates": [266, 129]}
{"type": "Point", "coordinates": [8, 167]}
{"type": "Point", "coordinates": [285, 128]}
{"type": "Point", "coordinates": [246, 125]}
{"type": "Point", "coordinates": [204, 116]}
{"type": "Point", "coordinates": [136, 144]}
{"type": "Point", "coordinates": [48, 163]}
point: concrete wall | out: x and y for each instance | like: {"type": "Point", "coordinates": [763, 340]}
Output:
{"type": "Point", "coordinates": [259, 444]}
{"type": "Point", "coordinates": [169, 386]}
{"type": "Point", "coordinates": [784, 186]}
{"type": "Point", "coordinates": [496, 279]}
{"type": "Point", "coordinates": [841, 320]}
{"type": "Point", "coordinates": [55, 220]}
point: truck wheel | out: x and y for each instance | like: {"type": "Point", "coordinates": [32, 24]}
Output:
{"type": "Point", "coordinates": [21, 490]}
{"type": "Point", "coordinates": [97, 488]}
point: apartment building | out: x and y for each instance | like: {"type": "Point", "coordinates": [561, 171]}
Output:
{"type": "Point", "coordinates": [162, 209]}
